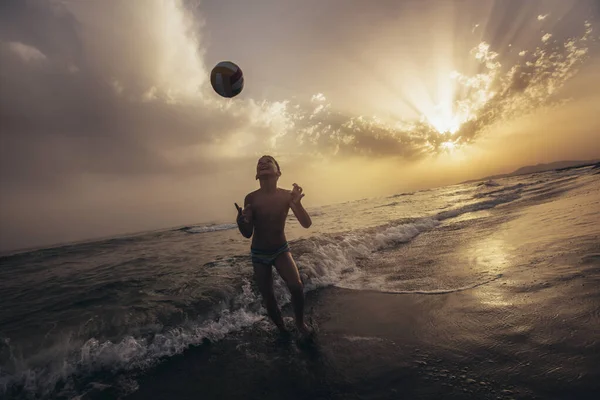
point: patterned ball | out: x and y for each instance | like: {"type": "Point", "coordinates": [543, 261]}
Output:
{"type": "Point", "coordinates": [227, 79]}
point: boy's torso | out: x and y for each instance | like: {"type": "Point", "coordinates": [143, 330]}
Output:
{"type": "Point", "coordinates": [269, 212]}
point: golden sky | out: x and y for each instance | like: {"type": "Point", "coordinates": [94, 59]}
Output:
{"type": "Point", "coordinates": [109, 124]}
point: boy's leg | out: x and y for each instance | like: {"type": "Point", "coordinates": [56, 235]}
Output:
{"type": "Point", "coordinates": [263, 275]}
{"type": "Point", "coordinates": [289, 272]}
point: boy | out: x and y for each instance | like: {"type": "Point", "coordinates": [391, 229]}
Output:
{"type": "Point", "coordinates": [263, 218]}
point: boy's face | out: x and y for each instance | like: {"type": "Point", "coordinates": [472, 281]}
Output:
{"type": "Point", "coordinates": [266, 167]}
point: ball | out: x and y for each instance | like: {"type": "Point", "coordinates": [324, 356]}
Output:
{"type": "Point", "coordinates": [227, 79]}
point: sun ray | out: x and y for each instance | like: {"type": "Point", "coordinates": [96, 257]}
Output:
{"type": "Point", "coordinates": [457, 93]}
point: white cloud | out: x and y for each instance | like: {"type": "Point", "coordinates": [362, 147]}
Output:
{"type": "Point", "coordinates": [151, 45]}
{"type": "Point", "coordinates": [318, 98]}
{"type": "Point", "coordinates": [26, 53]}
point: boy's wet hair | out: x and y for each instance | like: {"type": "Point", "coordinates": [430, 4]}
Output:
{"type": "Point", "coordinates": [274, 160]}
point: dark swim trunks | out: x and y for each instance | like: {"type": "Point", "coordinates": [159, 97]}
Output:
{"type": "Point", "coordinates": [268, 257]}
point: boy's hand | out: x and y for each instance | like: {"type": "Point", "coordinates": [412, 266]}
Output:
{"type": "Point", "coordinates": [246, 213]}
{"type": "Point", "coordinates": [297, 194]}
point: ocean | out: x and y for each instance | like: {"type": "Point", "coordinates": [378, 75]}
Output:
{"type": "Point", "coordinates": [487, 289]}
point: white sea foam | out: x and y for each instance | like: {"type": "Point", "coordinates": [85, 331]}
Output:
{"type": "Point", "coordinates": [403, 233]}
{"type": "Point", "coordinates": [210, 228]}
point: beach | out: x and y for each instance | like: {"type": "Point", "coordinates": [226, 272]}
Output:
{"type": "Point", "coordinates": [531, 334]}
{"type": "Point", "coordinates": [487, 291]}
{"type": "Point", "coordinates": [433, 168]}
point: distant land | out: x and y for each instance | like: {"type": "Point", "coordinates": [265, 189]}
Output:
{"type": "Point", "coordinates": [530, 169]}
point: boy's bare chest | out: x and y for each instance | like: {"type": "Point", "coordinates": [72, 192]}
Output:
{"type": "Point", "coordinates": [270, 208]}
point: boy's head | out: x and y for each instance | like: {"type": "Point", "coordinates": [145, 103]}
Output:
{"type": "Point", "coordinates": [267, 166]}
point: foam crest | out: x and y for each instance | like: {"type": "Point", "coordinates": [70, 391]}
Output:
{"type": "Point", "coordinates": [326, 261]}
{"type": "Point", "coordinates": [209, 228]}
{"type": "Point", "coordinates": [334, 260]}
{"type": "Point", "coordinates": [403, 233]}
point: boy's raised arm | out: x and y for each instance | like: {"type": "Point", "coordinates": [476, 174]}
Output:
{"type": "Point", "coordinates": [298, 208]}
{"type": "Point", "coordinates": [244, 218]}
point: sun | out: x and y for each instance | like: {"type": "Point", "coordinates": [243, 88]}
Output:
{"type": "Point", "coordinates": [444, 123]}
{"type": "Point", "coordinates": [449, 146]}
{"type": "Point", "coordinates": [443, 116]}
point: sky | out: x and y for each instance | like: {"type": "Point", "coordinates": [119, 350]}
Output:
{"type": "Point", "coordinates": [109, 125]}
